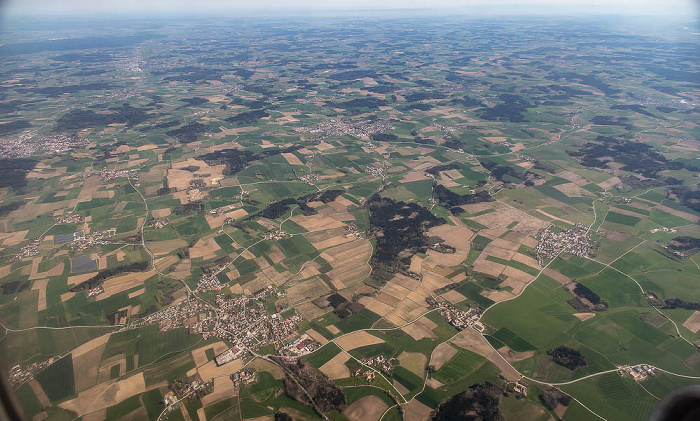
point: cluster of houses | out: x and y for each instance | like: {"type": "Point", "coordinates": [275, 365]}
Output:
{"type": "Point", "coordinates": [244, 376]}
{"type": "Point", "coordinates": [351, 231]}
{"type": "Point", "coordinates": [457, 317]}
{"type": "Point", "coordinates": [209, 282]}
{"type": "Point", "coordinates": [299, 347]}
{"type": "Point", "coordinates": [379, 361]}
{"type": "Point", "coordinates": [70, 218]}
{"type": "Point", "coordinates": [18, 374]}
{"type": "Point", "coordinates": [158, 223]}
{"type": "Point", "coordinates": [82, 241]}
{"type": "Point", "coordinates": [275, 234]}
{"type": "Point", "coordinates": [639, 372]}
{"type": "Point", "coordinates": [95, 291]}
{"type": "Point", "coordinates": [375, 171]}
{"type": "Point", "coordinates": [309, 178]}
{"type": "Point", "coordinates": [30, 250]}
{"type": "Point", "coordinates": [662, 229]}
{"type": "Point", "coordinates": [107, 175]}
{"type": "Point", "coordinates": [573, 241]}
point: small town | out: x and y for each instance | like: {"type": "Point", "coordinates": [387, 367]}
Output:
{"type": "Point", "coordinates": [242, 321]}
{"type": "Point", "coordinates": [28, 145]}
{"type": "Point", "coordinates": [337, 128]}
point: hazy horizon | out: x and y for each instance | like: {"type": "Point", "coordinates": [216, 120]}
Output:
{"type": "Point", "coordinates": [687, 9]}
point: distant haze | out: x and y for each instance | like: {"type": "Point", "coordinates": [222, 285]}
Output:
{"type": "Point", "coordinates": [37, 8]}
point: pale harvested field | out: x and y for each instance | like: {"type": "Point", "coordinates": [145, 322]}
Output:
{"type": "Point", "coordinates": [122, 283]}
{"type": "Point", "coordinates": [517, 275]}
{"type": "Point", "coordinates": [182, 270]}
{"type": "Point", "coordinates": [680, 214]}
{"type": "Point", "coordinates": [90, 345]}
{"type": "Point", "coordinates": [39, 392]}
{"type": "Point", "coordinates": [432, 280]}
{"type": "Point", "coordinates": [519, 257]}
{"type": "Point", "coordinates": [199, 355]}
{"type": "Point", "coordinates": [67, 296]}
{"type": "Point", "coordinates": [204, 248]}
{"type": "Point", "coordinates": [332, 242]}
{"type": "Point", "coordinates": [495, 251]}
{"type": "Point", "coordinates": [585, 316]}
{"type": "Point", "coordinates": [57, 270]}
{"type": "Point", "coordinates": [105, 394]}
{"type": "Point", "coordinates": [609, 183]}
{"type": "Point", "coordinates": [5, 270]}
{"type": "Point", "coordinates": [490, 268]}
{"type": "Point", "coordinates": [335, 368]}
{"type": "Point", "coordinates": [419, 331]}
{"type": "Point", "coordinates": [13, 238]}
{"type": "Point", "coordinates": [414, 176]}
{"type": "Point", "coordinates": [166, 246]}
{"type": "Point", "coordinates": [137, 293]}
{"type": "Point", "coordinates": [457, 236]}
{"type": "Point", "coordinates": [442, 354]}
{"type": "Point", "coordinates": [323, 235]}
{"type": "Point", "coordinates": [357, 340]}
{"type": "Point", "coordinates": [431, 382]}
{"type": "Point", "coordinates": [692, 323]}
{"type": "Point", "coordinates": [210, 370]}
{"type": "Point", "coordinates": [317, 336]}
{"type": "Point", "coordinates": [414, 362]}
{"type": "Point", "coordinates": [376, 306]}
{"type": "Point", "coordinates": [453, 297]}
{"type": "Point", "coordinates": [223, 389]}
{"type": "Point", "coordinates": [505, 244]}
{"type": "Point", "coordinates": [215, 221]}
{"type": "Point", "coordinates": [292, 159]}
{"type": "Point", "coordinates": [90, 185]}
{"type": "Point", "coordinates": [316, 222]}
{"type": "Point", "coordinates": [562, 279]}
{"type": "Point", "coordinates": [477, 207]}
{"type": "Point", "coordinates": [86, 364]}
{"type": "Point", "coordinates": [416, 264]}
{"type": "Point", "coordinates": [573, 190]}
{"type": "Point", "coordinates": [76, 279]}
{"type": "Point", "coordinates": [471, 340]}
{"type": "Point", "coordinates": [516, 285]}
{"type": "Point", "coordinates": [505, 215]}
{"type": "Point", "coordinates": [497, 296]}
{"type": "Point", "coordinates": [369, 408]}
{"type": "Point", "coordinates": [387, 299]}
{"type": "Point", "coordinates": [165, 262]}
{"type": "Point", "coordinates": [179, 179]}
{"type": "Point", "coordinates": [416, 411]}
{"type": "Point", "coordinates": [40, 286]}
{"type": "Point", "coordinates": [405, 281]}
{"type": "Point", "coordinates": [574, 178]}
{"type": "Point", "coordinates": [614, 235]}
{"type": "Point", "coordinates": [306, 291]}
{"type": "Point", "coordinates": [395, 290]}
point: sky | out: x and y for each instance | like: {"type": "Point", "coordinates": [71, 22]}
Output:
{"type": "Point", "coordinates": [38, 8]}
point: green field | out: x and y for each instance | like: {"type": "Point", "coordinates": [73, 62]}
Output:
{"type": "Point", "coordinates": [57, 379]}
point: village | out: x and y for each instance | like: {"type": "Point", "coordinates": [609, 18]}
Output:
{"type": "Point", "coordinates": [455, 316]}
{"type": "Point", "coordinates": [573, 241]}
